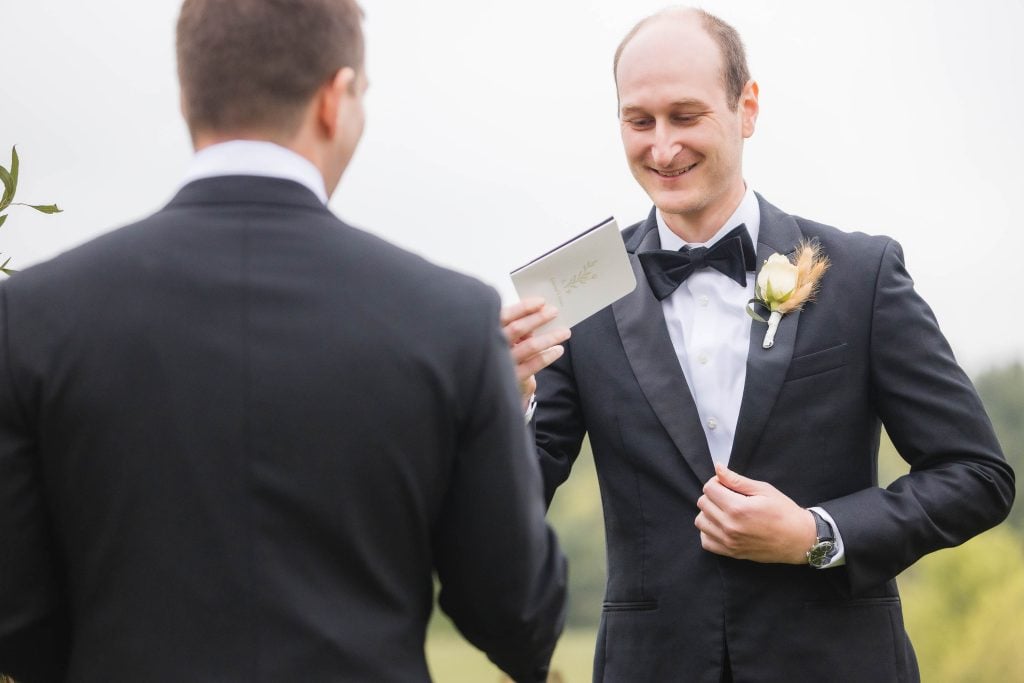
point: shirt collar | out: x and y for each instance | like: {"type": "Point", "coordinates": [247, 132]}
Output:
{"type": "Point", "coordinates": [748, 213]}
{"type": "Point", "coordinates": [256, 158]}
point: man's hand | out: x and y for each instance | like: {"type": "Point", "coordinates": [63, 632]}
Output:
{"type": "Point", "coordinates": [531, 354]}
{"type": "Point", "coordinates": [752, 520]}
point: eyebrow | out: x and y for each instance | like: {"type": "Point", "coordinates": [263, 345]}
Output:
{"type": "Point", "coordinates": [678, 104]}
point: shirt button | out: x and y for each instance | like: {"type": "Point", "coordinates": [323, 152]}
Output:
{"type": "Point", "coordinates": [712, 423]}
{"type": "Point", "coordinates": [703, 359]}
{"type": "Point", "coordinates": [703, 300]}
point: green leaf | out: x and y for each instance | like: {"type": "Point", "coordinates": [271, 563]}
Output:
{"type": "Point", "coordinates": [3, 219]}
{"type": "Point", "coordinates": [45, 208]}
{"type": "Point", "coordinates": [13, 177]}
{"type": "Point", "coordinates": [9, 179]}
{"type": "Point", "coordinates": [14, 168]}
{"type": "Point", "coordinates": [751, 312]}
{"type": "Point", "coordinates": [8, 195]}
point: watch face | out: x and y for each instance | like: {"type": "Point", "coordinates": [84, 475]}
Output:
{"type": "Point", "coordinates": [820, 554]}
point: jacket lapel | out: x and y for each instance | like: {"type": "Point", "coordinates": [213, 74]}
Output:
{"type": "Point", "coordinates": [766, 368]}
{"type": "Point", "coordinates": [645, 338]}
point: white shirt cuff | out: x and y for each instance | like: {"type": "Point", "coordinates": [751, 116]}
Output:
{"type": "Point", "coordinates": [532, 408]}
{"type": "Point", "coordinates": [839, 559]}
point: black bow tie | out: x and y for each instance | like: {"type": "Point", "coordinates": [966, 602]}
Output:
{"type": "Point", "coordinates": [733, 255]}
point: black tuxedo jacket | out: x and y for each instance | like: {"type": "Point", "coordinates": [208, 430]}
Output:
{"type": "Point", "coordinates": [868, 352]}
{"type": "Point", "coordinates": [237, 438]}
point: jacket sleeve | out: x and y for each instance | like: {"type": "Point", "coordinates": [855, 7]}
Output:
{"type": "Point", "coordinates": [959, 483]}
{"type": "Point", "coordinates": [33, 622]}
{"type": "Point", "coordinates": [558, 425]}
{"type": "Point", "coordinates": [503, 577]}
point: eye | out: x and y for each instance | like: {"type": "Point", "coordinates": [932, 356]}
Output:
{"type": "Point", "coordinates": [640, 122]}
{"type": "Point", "coordinates": [684, 119]}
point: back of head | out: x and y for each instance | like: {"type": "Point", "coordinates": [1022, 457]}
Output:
{"type": "Point", "coordinates": [252, 65]}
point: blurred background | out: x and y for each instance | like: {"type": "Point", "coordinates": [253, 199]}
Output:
{"type": "Point", "coordinates": [492, 136]}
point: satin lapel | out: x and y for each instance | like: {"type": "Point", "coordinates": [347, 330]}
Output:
{"type": "Point", "coordinates": [766, 368]}
{"type": "Point", "coordinates": [649, 349]}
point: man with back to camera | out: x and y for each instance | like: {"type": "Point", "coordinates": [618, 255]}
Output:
{"type": "Point", "coordinates": [237, 437]}
{"type": "Point", "coordinates": [748, 539]}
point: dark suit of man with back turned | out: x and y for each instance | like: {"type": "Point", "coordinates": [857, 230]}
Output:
{"type": "Point", "coordinates": [709, 570]}
{"type": "Point", "coordinates": [237, 437]}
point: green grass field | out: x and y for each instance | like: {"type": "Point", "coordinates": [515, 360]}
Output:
{"type": "Point", "coordinates": [453, 660]}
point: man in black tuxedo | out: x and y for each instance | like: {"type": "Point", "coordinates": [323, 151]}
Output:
{"type": "Point", "coordinates": [748, 538]}
{"type": "Point", "coordinates": [238, 437]}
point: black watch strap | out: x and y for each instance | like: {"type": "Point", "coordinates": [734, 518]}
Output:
{"type": "Point", "coordinates": [824, 548]}
{"type": "Point", "coordinates": [822, 529]}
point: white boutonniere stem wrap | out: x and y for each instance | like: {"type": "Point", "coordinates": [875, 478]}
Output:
{"type": "Point", "coordinates": [786, 284]}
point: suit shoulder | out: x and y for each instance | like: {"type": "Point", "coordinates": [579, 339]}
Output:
{"type": "Point", "coordinates": [422, 274]}
{"type": "Point", "coordinates": [859, 245]}
{"type": "Point", "coordinates": [93, 256]}
{"type": "Point", "coordinates": [404, 279]}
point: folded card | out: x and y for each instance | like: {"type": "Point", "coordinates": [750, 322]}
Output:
{"type": "Point", "coordinates": [581, 276]}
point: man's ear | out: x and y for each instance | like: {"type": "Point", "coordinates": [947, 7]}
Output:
{"type": "Point", "coordinates": [749, 107]}
{"type": "Point", "coordinates": [331, 98]}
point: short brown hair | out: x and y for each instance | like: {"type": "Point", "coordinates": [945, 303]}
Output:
{"type": "Point", "coordinates": [735, 72]}
{"type": "Point", "coordinates": [254, 64]}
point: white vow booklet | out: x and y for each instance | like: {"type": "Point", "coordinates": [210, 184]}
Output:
{"type": "Point", "coordinates": [581, 276]}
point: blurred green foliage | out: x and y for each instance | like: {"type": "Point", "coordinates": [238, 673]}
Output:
{"type": "Point", "coordinates": [1002, 390]}
{"type": "Point", "coordinates": [576, 515]}
{"type": "Point", "coordinates": [964, 607]}
{"type": "Point", "coordinates": [963, 610]}
{"type": "Point", "coordinates": [453, 660]}
{"type": "Point", "coordinates": [9, 179]}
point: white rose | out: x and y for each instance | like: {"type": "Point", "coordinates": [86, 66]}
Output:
{"type": "Point", "coordinates": [777, 280]}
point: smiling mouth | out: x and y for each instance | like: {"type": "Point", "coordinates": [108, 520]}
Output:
{"type": "Point", "coordinates": [676, 173]}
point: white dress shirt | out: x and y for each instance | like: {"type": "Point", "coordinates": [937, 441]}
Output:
{"type": "Point", "coordinates": [710, 331]}
{"type": "Point", "coordinates": [258, 158]}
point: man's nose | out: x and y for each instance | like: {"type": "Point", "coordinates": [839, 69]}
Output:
{"type": "Point", "coordinates": [665, 148]}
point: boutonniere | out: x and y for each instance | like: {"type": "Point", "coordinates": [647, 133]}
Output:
{"type": "Point", "coordinates": [786, 284]}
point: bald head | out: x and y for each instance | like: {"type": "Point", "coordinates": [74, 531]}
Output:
{"type": "Point", "coordinates": [681, 22]}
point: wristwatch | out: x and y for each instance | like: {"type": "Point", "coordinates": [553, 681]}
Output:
{"type": "Point", "coordinates": [824, 548]}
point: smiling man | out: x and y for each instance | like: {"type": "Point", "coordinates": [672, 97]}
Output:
{"type": "Point", "coordinates": [684, 145]}
{"type": "Point", "coordinates": [748, 538]}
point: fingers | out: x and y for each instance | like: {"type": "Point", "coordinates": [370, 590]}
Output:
{"type": "Point", "coordinates": [710, 512]}
{"type": "Point", "coordinates": [712, 522]}
{"type": "Point", "coordinates": [531, 354]}
{"type": "Point", "coordinates": [520, 308]}
{"type": "Point", "coordinates": [520, 320]}
{"type": "Point", "coordinates": [527, 388]}
{"type": "Point", "coordinates": [721, 495]}
{"type": "Point", "coordinates": [766, 526]}
{"type": "Point", "coordinates": [537, 362]}
{"type": "Point", "coordinates": [719, 533]}
{"type": "Point", "coordinates": [524, 350]}
{"type": "Point", "coordinates": [738, 483]}
{"type": "Point", "coordinates": [712, 545]}
{"type": "Point", "coordinates": [714, 538]}
{"type": "Point", "coordinates": [727, 519]}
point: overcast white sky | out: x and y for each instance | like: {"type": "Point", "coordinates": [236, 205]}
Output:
{"type": "Point", "coordinates": [492, 133]}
